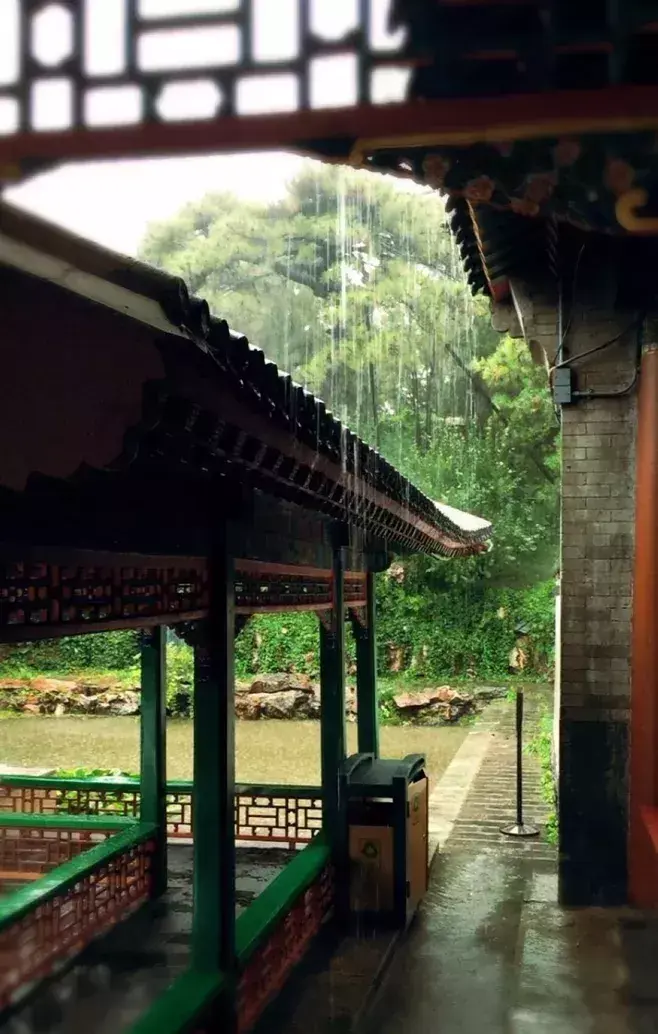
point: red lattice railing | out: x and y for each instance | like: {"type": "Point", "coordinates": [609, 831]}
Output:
{"type": "Point", "coordinates": [264, 814]}
{"type": "Point", "coordinates": [93, 892]}
{"type": "Point", "coordinates": [283, 814]}
{"type": "Point", "coordinates": [271, 964]}
{"type": "Point", "coordinates": [27, 851]}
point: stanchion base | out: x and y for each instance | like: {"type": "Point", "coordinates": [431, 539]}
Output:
{"type": "Point", "coordinates": [523, 830]}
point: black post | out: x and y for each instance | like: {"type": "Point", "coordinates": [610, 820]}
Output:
{"type": "Point", "coordinates": [519, 758]}
{"type": "Point", "coordinates": [519, 828]}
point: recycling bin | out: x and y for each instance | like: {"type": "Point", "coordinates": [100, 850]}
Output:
{"type": "Point", "coordinates": [384, 805]}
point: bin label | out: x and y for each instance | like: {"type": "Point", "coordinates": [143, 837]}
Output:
{"type": "Point", "coordinates": [370, 850]}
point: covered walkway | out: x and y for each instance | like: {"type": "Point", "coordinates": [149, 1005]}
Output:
{"type": "Point", "coordinates": [122, 974]}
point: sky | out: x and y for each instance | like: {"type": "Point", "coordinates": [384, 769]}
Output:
{"type": "Point", "coordinates": [112, 203]}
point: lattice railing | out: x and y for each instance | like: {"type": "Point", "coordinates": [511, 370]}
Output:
{"type": "Point", "coordinates": [265, 814]}
{"type": "Point", "coordinates": [40, 931]}
{"type": "Point", "coordinates": [271, 964]}
{"type": "Point", "coordinates": [28, 850]}
{"type": "Point", "coordinates": [283, 814]}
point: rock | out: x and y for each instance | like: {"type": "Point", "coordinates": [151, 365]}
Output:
{"type": "Point", "coordinates": [434, 706]}
{"type": "Point", "coordinates": [394, 657]}
{"type": "Point", "coordinates": [56, 697]}
{"type": "Point", "coordinates": [14, 684]}
{"type": "Point", "coordinates": [423, 697]}
{"type": "Point", "coordinates": [286, 704]}
{"type": "Point", "coordinates": [350, 703]}
{"type": "Point", "coordinates": [396, 573]}
{"type": "Point", "coordinates": [281, 683]}
{"type": "Point", "coordinates": [490, 692]}
{"type": "Point", "coordinates": [282, 696]}
{"type": "Point", "coordinates": [119, 703]}
{"type": "Point", "coordinates": [518, 656]}
{"type": "Point", "coordinates": [43, 685]}
{"type": "Point", "coordinates": [248, 707]}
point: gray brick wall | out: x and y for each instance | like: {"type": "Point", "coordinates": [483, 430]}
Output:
{"type": "Point", "coordinates": [597, 521]}
{"type": "Point", "coordinates": [598, 487]}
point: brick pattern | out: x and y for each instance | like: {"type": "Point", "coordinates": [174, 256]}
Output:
{"type": "Point", "coordinates": [491, 800]}
{"type": "Point", "coordinates": [598, 488]}
{"type": "Point", "coordinates": [594, 637]}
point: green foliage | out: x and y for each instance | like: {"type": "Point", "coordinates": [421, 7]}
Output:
{"type": "Point", "coordinates": [541, 747]}
{"type": "Point", "coordinates": [93, 773]}
{"type": "Point", "coordinates": [355, 287]}
{"type": "Point", "coordinates": [464, 630]}
{"type": "Point", "coordinates": [103, 651]}
{"type": "Point", "coordinates": [282, 643]}
{"type": "Point", "coordinates": [180, 679]}
{"type": "Point", "coordinates": [113, 801]}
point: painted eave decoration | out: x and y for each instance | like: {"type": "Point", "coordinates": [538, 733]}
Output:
{"type": "Point", "coordinates": [521, 112]}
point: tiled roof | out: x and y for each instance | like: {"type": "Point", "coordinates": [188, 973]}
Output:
{"type": "Point", "coordinates": [317, 460]}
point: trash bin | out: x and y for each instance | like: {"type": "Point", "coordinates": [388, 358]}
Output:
{"type": "Point", "coordinates": [385, 815]}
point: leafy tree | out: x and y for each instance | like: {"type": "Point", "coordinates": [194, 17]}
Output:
{"type": "Point", "coordinates": [354, 285]}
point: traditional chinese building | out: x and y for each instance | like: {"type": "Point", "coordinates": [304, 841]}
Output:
{"type": "Point", "coordinates": [158, 471]}
{"type": "Point", "coordinates": [539, 121]}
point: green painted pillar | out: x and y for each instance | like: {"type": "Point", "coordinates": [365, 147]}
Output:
{"type": "Point", "coordinates": [366, 675]}
{"type": "Point", "coordinates": [213, 925]}
{"type": "Point", "coordinates": [153, 751]}
{"type": "Point", "coordinates": [332, 699]}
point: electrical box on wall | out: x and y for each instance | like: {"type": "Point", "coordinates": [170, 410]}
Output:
{"type": "Point", "coordinates": [563, 386]}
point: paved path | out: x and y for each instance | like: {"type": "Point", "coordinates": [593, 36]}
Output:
{"type": "Point", "coordinates": [331, 991]}
{"type": "Point", "coordinates": [477, 794]}
{"type": "Point", "coordinates": [490, 950]}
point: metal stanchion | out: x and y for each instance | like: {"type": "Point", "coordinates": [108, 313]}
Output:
{"type": "Point", "coordinates": [519, 828]}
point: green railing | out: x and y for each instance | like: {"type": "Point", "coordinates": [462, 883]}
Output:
{"type": "Point", "coordinates": [271, 935]}
{"type": "Point", "coordinates": [44, 924]}
{"type": "Point", "coordinates": [282, 921]}
{"type": "Point", "coordinates": [267, 814]}
{"type": "Point", "coordinates": [184, 1006]}
{"type": "Point", "coordinates": [254, 925]}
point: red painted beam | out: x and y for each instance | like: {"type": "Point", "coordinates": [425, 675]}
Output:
{"type": "Point", "coordinates": [459, 121]}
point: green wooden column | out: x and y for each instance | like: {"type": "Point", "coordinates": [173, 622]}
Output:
{"type": "Point", "coordinates": [153, 752]}
{"type": "Point", "coordinates": [332, 698]}
{"type": "Point", "coordinates": [213, 926]}
{"type": "Point", "coordinates": [366, 675]}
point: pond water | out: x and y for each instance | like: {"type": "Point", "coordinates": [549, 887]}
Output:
{"type": "Point", "coordinates": [266, 751]}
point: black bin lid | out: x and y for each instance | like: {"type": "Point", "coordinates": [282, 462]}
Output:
{"type": "Point", "coordinates": [369, 776]}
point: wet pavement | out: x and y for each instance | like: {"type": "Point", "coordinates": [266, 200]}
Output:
{"type": "Point", "coordinates": [119, 976]}
{"type": "Point", "coordinates": [491, 951]}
